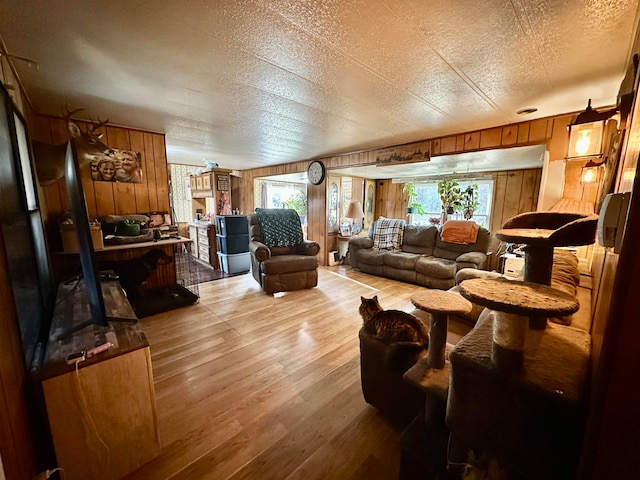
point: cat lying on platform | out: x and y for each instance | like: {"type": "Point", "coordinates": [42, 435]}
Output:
{"type": "Point", "coordinates": [405, 334]}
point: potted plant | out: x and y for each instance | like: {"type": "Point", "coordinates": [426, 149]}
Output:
{"type": "Point", "coordinates": [413, 206]}
{"type": "Point", "coordinates": [470, 201]}
{"type": "Point", "coordinates": [298, 201]}
{"type": "Point", "coordinates": [450, 196]}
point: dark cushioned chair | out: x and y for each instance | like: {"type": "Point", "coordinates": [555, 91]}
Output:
{"type": "Point", "coordinates": [281, 260]}
{"type": "Point", "coordinates": [381, 368]}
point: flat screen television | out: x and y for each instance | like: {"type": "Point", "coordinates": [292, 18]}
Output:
{"type": "Point", "coordinates": [88, 262]}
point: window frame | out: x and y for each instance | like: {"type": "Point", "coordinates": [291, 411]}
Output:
{"type": "Point", "coordinates": [486, 188]}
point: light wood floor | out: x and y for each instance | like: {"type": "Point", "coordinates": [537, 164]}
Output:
{"type": "Point", "coordinates": [252, 386]}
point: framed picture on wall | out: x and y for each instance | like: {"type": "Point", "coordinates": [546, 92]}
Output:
{"type": "Point", "coordinates": [118, 166]}
{"type": "Point", "coordinates": [369, 203]}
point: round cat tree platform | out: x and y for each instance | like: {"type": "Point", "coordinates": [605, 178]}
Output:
{"type": "Point", "coordinates": [514, 301]}
{"type": "Point", "coordinates": [541, 232]}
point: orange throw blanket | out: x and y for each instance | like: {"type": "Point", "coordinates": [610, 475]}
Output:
{"type": "Point", "coordinates": [463, 232]}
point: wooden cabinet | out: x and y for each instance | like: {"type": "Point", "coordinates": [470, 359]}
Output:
{"type": "Point", "coordinates": [102, 414]}
{"type": "Point", "coordinates": [215, 183]}
{"type": "Point", "coordinates": [204, 243]}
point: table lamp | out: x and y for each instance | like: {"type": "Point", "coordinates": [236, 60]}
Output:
{"type": "Point", "coordinates": [355, 213]}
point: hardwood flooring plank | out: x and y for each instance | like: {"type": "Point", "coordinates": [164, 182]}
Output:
{"type": "Point", "coordinates": [343, 454]}
{"type": "Point", "coordinates": [256, 386]}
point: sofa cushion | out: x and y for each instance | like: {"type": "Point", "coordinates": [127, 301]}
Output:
{"type": "Point", "coordinates": [419, 239]}
{"type": "Point", "coordinates": [401, 275]}
{"type": "Point", "coordinates": [565, 274]}
{"type": "Point", "coordinates": [436, 267]}
{"type": "Point", "coordinates": [454, 250]}
{"type": "Point", "coordinates": [290, 250]}
{"type": "Point", "coordinates": [401, 260]}
{"type": "Point", "coordinates": [471, 259]}
{"type": "Point", "coordinates": [462, 232]}
{"type": "Point", "coordinates": [280, 226]}
{"type": "Point", "coordinates": [373, 269]}
{"type": "Point", "coordinates": [371, 256]}
{"type": "Point", "coordinates": [288, 263]}
{"type": "Point", "coordinates": [433, 282]}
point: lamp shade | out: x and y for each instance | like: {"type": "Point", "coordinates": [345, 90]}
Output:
{"type": "Point", "coordinates": [355, 210]}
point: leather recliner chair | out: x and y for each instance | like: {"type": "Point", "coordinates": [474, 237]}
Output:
{"type": "Point", "coordinates": [282, 269]}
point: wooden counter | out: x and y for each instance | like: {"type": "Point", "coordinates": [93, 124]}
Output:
{"type": "Point", "coordinates": [102, 412]}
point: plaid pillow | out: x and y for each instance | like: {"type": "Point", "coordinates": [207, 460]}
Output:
{"type": "Point", "coordinates": [280, 227]}
{"type": "Point", "coordinates": [388, 234]}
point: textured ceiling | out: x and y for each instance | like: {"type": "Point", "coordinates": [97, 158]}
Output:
{"type": "Point", "coordinates": [256, 83]}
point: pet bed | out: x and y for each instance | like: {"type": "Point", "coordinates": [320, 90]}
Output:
{"type": "Point", "coordinates": [162, 299]}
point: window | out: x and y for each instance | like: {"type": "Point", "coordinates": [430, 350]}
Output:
{"type": "Point", "coordinates": [332, 202]}
{"type": "Point", "coordinates": [430, 200]}
{"type": "Point", "coordinates": [340, 191]}
{"type": "Point", "coordinates": [270, 193]}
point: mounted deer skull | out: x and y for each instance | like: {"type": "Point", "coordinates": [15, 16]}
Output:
{"type": "Point", "coordinates": [49, 159]}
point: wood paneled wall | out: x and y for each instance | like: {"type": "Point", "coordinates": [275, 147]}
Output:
{"type": "Point", "coordinates": [515, 191]}
{"type": "Point", "coordinates": [610, 448]}
{"type": "Point", "coordinates": [390, 200]}
{"type": "Point", "coordinates": [106, 198]}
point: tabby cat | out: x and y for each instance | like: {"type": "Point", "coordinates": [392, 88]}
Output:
{"type": "Point", "coordinates": [391, 326]}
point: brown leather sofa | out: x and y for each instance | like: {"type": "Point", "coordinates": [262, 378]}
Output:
{"type": "Point", "coordinates": [282, 269]}
{"type": "Point", "coordinates": [424, 258]}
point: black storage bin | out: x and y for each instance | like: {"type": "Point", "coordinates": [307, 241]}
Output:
{"type": "Point", "coordinates": [232, 225]}
{"type": "Point", "coordinates": [229, 244]}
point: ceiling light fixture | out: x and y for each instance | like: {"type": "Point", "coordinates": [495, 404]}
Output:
{"type": "Point", "coordinates": [527, 111]}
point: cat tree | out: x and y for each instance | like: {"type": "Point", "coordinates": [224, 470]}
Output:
{"type": "Point", "coordinates": [424, 441]}
{"type": "Point", "coordinates": [518, 386]}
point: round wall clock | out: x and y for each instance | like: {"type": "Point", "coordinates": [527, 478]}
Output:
{"type": "Point", "coordinates": [316, 172]}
